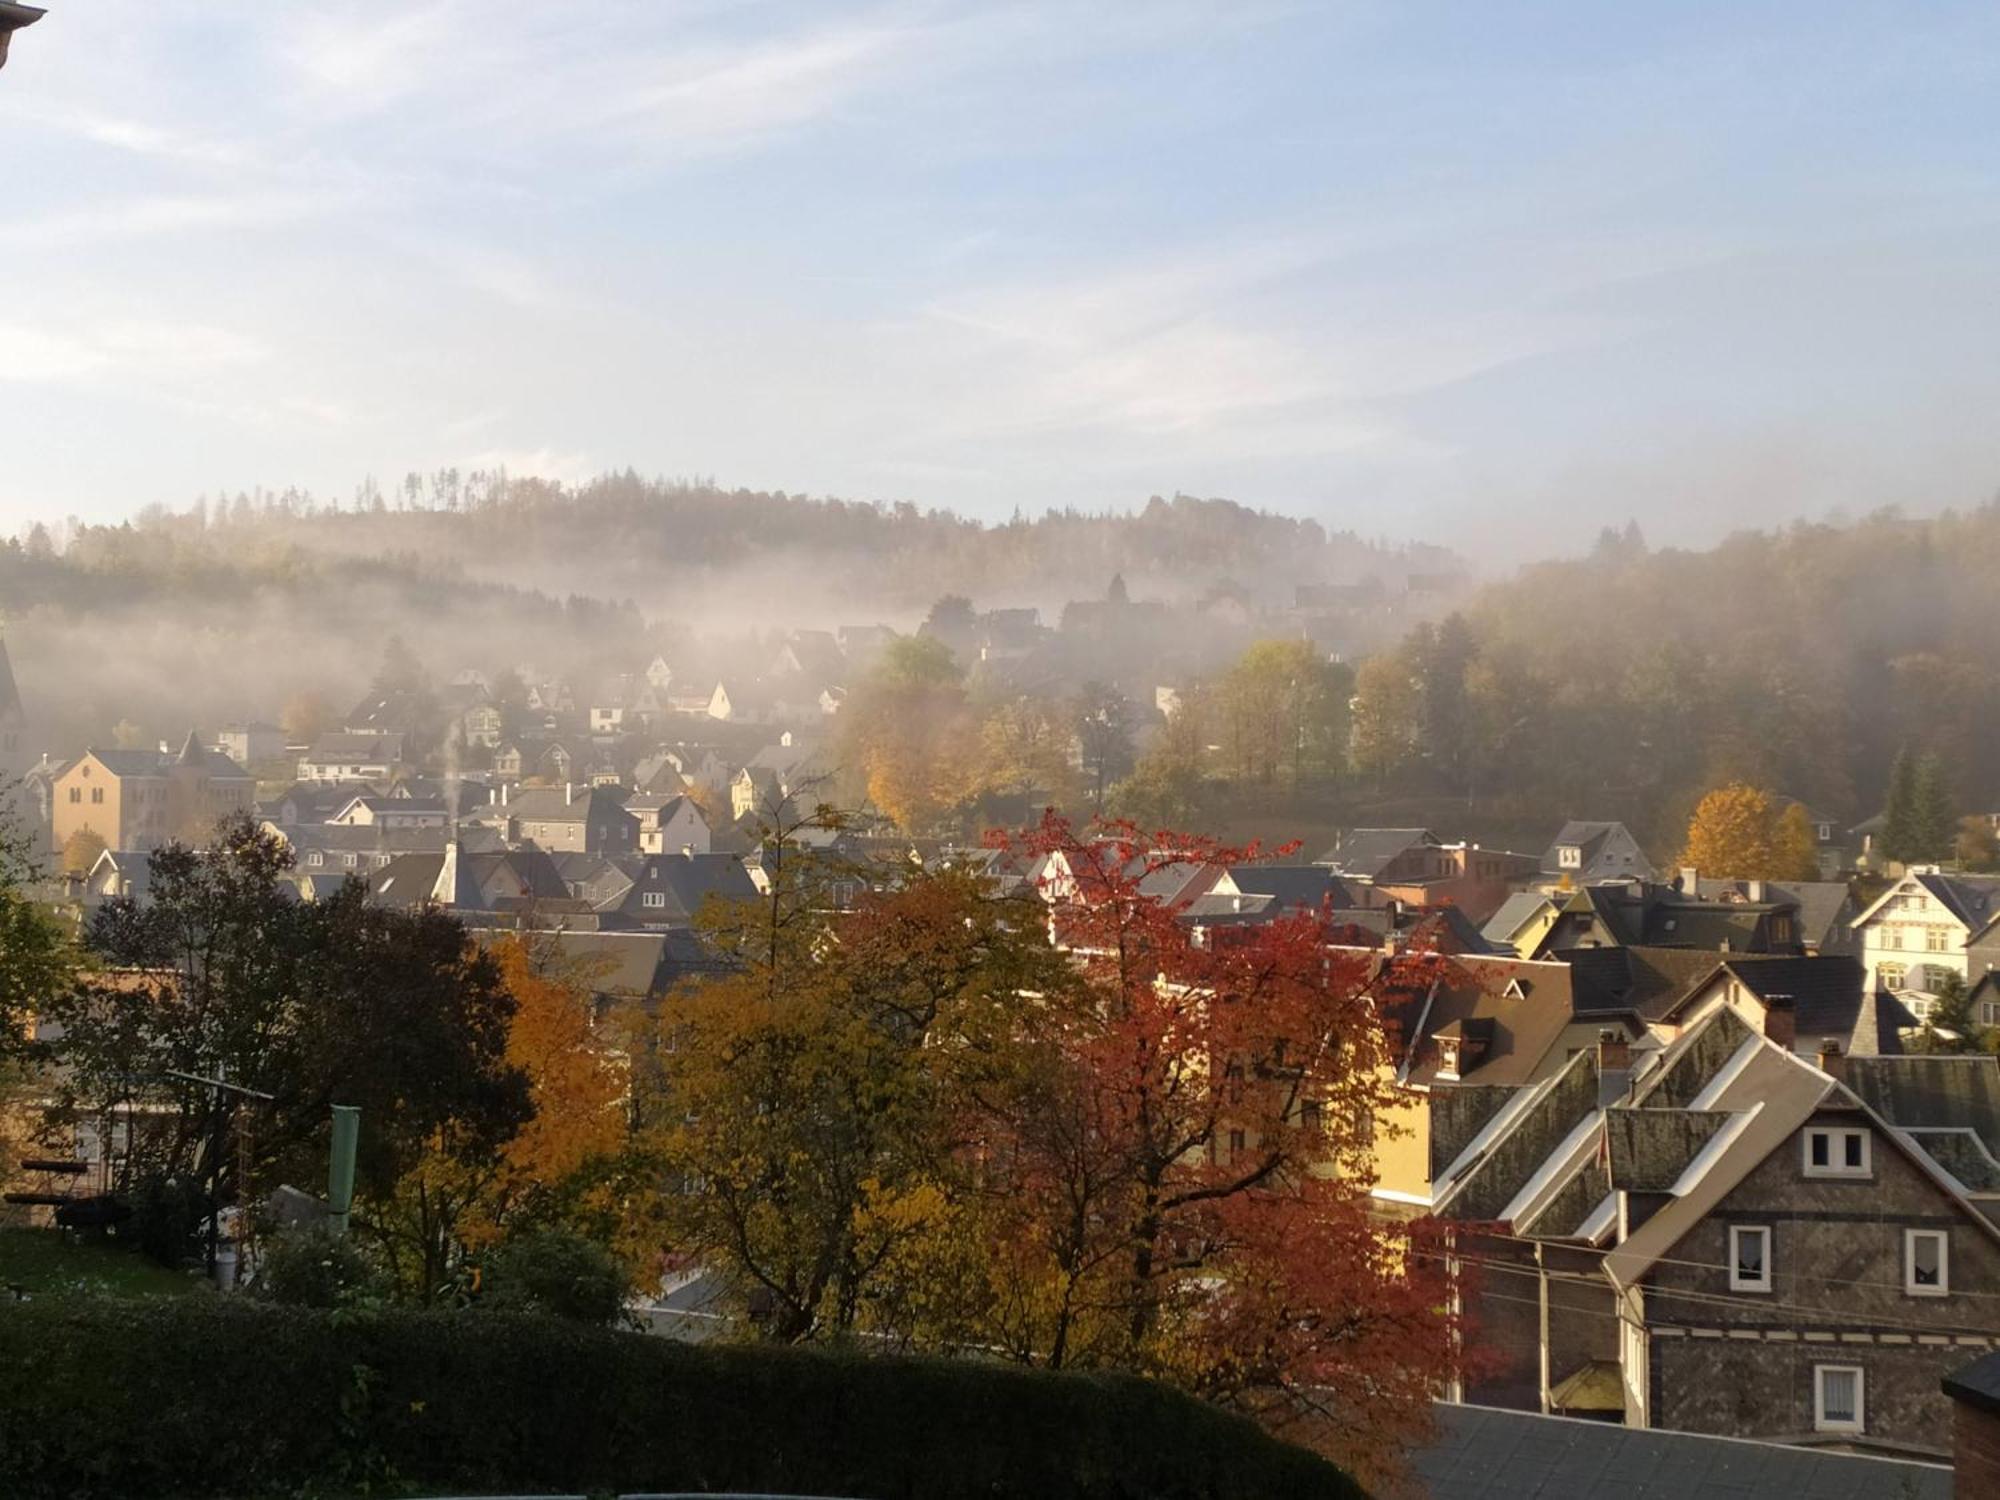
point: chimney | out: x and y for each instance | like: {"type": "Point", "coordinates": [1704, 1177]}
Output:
{"type": "Point", "coordinates": [1780, 1024]}
{"type": "Point", "coordinates": [569, 793]}
{"type": "Point", "coordinates": [1756, 891]}
{"type": "Point", "coordinates": [1690, 881]}
{"type": "Point", "coordinates": [1832, 1061]}
{"type": "Point", "coordinates": [1614, 1066]}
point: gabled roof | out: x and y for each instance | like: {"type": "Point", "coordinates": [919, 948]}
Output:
{"type": "Point", "coordinates": [362, 748]}
{"type": "Point", "coordinates": [1291, 887]}
{"type": "Point", "coordinates": [1974, 900]}
{"type": "Point", "coordinates": [1365, 852]}
{"type": "Point", "coordinates": [1515, 913]}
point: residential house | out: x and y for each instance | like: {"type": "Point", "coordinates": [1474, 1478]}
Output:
{"type": "Point", "coordinates": [1824, 910]}
{"type": "Point", "coordinates": [483, 725]}
{"type": "Point", "coordinates": [1586, 852]}
{"type": "Point", "coordinates": [137, 800]}
{"type": "Point", "coordinates": [861, 644]}
{"type": "Point", "coordinates": [786, 769]}
{"type": "Point", "coordinates": [1638, 913]}
{"type": "Point", "coordinates": [351, 756]}
{"type": "Point", "coordinates": [1388, 855]}
{"type": "Point", "coordinates": [659, 676]}
{"type": "Point", "coordinates": [669, 825]}
{"type": "Point", "coordinates": [670, 890]}
{"type": "Point", "coordinates": [1720, 1236]}
{"type": "Point", "coordinates": [330, 850]}
{"type": "Point", "coordinates": [373, 810]}
{"type": "Point", "coordinates": [520, 884]}
{"type": "Point", "coordinates": [572, 819]}
{"type": "Point", "coordinates": [1921, 928]}
{"type": "Point", "coordinates": [398, 712]}
{"type": "Point", "coordinates": [251, 744]}
{"type": "Point", "coordinates": [508, 760]}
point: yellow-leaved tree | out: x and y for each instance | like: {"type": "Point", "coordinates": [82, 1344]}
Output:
{"type": "Point", "coordinates": [1740, 832]}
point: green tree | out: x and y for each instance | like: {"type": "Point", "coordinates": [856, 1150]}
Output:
{"type": "Point", "coordinates": [1103, 720]}
{"type": "Point", "coordinates": [1951, 1026]}
{"type": "Point", "coordinates": [1935, 821]}
{"type": "Point", "coordinates": [1902, 834]}
{"type": "Point", "coordinates": [1283, 713]}
{"type": "Point", "coordinates": [1443, 657]}
{"type": "Point", "coordinates": [224, 975]}
{"type": "Point", "coordinates": [1388, 710]}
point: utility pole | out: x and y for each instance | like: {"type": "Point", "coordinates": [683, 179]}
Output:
{"type": "Point", "coordinates": [340, 1166]}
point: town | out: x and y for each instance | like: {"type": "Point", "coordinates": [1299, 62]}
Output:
{"type": "Point", "coordinates": [1703, 1149]}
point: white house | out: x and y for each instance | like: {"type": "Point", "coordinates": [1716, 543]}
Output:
{"type": "Point", "coordinates": [1917, 930]}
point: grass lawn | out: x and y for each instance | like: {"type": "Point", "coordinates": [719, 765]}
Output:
{"type": "Point", "coordinates": [43, 1264]}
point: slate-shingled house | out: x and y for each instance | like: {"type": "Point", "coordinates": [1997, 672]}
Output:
{"type": "Point", "coordinates": [1721, 1236]}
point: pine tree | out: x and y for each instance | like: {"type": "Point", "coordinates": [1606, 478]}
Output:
{"type": "Point", "coordinates": [1934, 823]}
{"type": "Point", "coordinates": [1900, 836]}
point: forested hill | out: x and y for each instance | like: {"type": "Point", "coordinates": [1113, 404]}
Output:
{"type": "Point", "coordinates": [226, 609]}
{"type": "Point", "coordinates": [1621, 684]}
{"type": "Point", "coordinates": [690, 550]}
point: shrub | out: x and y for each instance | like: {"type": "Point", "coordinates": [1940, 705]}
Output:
{"type": "Point", "coordinates": [562, 1275]}
{"type": "Point", "coordinates": [238, 1398]}
{"type": "Point", "coordinates": [316, 1268]}
{"type": "Point", "coordinates": [166, 1223]}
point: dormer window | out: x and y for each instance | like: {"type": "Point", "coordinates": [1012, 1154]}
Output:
{"type": "Point", "coordinates": [1570, 857]}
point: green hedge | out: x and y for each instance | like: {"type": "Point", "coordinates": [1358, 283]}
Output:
{"type": "Point", "coordinates": [195, 1398]}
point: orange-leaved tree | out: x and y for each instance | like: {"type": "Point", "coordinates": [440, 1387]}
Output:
{"type": "Point", "coordinates": [1176, 1176]}
{"type": "Point", "coordinates": [1740, 832]}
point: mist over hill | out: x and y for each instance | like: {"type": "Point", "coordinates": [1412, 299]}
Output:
{"type": "Point", "coordinates": [225, 608]}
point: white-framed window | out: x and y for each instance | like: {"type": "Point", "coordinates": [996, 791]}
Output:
{"type": "Point", "coordinates": [1837, 1398]}
{"type": "Point", "coordinates": [1749, 1258]}
{"type": "Point", "coordinates": [1890, 976]}
{"type": "Point", "coordinates": [1926, 1262]}
{"type": "Point", "coordinates": [1836, 1152]}
{"type": "Point", "coordinates": [1937, 940]}
{"type": "Point", "coordinates": [653, 898]}
{"type": "Point", "coordinates": [1919, 1006]}
{"type": "Point", "coordinates": [1569, 857]}
{"type": "Point", "coordinates": [1989, 1013]}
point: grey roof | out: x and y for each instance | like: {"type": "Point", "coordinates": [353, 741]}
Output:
{"type": "Point", "coordinates": [1973, 899]}
{"type": "Point", "coordinates": [1481, 1453]}
{"type": "Point", "coordinates": [1822, 906]}
{"type": "Point", "coordinates": [1824, 993]}
{"type": "Point", "coordinates": [1366, 852]}
{"type": "Point", "coordinates": [364, 748]}
{"type": "Point", "coordinates": [1292, 887]}
{"type": "Point", "coordinates": [1933, 1090]}
{"type": "Point", "coordinates": [1513, 915]}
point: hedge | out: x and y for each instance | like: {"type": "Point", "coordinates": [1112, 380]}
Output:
{"type": "Point", "coordinates": [200, 1397]}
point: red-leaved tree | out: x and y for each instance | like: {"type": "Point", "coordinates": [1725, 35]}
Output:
{"type": "Point", "coordinates": [1175, 1172]}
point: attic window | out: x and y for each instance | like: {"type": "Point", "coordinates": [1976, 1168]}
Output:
{"type": "Point", "coordinates": [654, 898]}
{"type": "Point", "coordinates": [1836, 1153]}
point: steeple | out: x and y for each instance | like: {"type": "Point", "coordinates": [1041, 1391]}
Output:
{"type": "Point", "coordinates": [455, 886]}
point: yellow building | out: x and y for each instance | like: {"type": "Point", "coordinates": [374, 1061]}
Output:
{"type": "Point", "coordinates": [141, 799]}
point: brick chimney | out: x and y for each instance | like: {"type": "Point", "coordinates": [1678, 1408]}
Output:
{"type": "Point", "coordinates": [1780, 1023]}
{"type": "Point", "coordinates": [1613, 1050]}
{"type": "Point", "coordinates": [1832, 1060]}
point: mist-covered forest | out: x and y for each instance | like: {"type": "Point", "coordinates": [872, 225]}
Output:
{"type": "Point", "coordinates": [1620, 683]}
{"type": "Point", "coordinates": [226, 608]}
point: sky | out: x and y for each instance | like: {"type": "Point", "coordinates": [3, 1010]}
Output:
{"type": "Point", "coordinates": [1493, 275]}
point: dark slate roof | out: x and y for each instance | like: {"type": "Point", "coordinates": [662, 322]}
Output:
{"type": "Point", "coordinates": [1821, 905]}
{"type": "Point", "coordinates": [131, 762]}
{"type": "Point", "coordinates": [1649, 981]}
{"type": "Point", "coordinates": [1649, 1149]}
{"type": "Point", "coordinates": [1964, 1155]}
{"type": "Point", "coordinates": [1292, 886]}
{"type": "Point", "coordinates": [1932, 1090]}
{"type": "Point", "coordinates": [1480, 1453]}
{"type": "Point", "coordinates": [1824, 993]}
{"type": "Point", "coordinates": [1973, 899]}
{"type": "Point", "coordinates": [1365, 852]}
{"type": "Point", "coordinates": [1976, 1384]}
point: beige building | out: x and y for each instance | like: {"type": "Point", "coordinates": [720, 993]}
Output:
{"type": "Point", "coordinates": [141, 799]}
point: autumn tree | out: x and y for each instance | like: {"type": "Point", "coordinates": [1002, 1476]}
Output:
{"type": "Point", "coordinates": [808, 1109]}
{"type": "Point", "coordinates": [1388, 709]}
{"type": "Point", "coordinates": [909, 732]}
{"type": "Point", "coordinates": [1283, 713]}
{"type": "Point", "coordinates": [305, 717]}
{"type": "Point", "coordinates": [1027, 749]}
{"type": "Point", "coordinates": [1166, 787]}
{"type": "Point", "coordinates": [566, 1163]}
{"type": "Point", "coordinates": [1177, 1178]}
{"type": "Point", "coordinates": [1977, 847]}
{"type": "Point", "coordinates": [1740, 833]}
